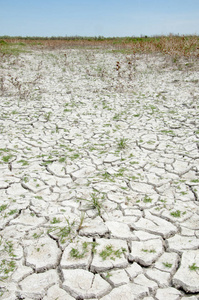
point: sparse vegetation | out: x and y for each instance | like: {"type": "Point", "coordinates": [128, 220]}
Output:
{"type": "Point", "coordinates": [111, 253]}
{"type": "Point", "coordinates": [167, 265]}
{"type": "Point", "coordinates": [147, 199]}
{"type": "Point", "coordinates": [122, 143]}
{"type": "Point", "coordinates": [101, 138]}
{"type": "Point", "coordinates": [7, 262]}
{"type": "Point", "coordinates": [173, 45]}
{"type": "Point", "coordinates": [176, 214]}
{"type": "Point", "coordinates": [149, 251]}
{"type": "Point", "coordinates": [96, 203]}
{"type": "Point", "coordinates": [83, 250]}
{"type": "Point", "coordinates": [193, 267]}
{"type": "Point", "coordinates": [63, 232]}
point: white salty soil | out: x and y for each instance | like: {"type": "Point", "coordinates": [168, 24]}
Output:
{"type": "Point", "coordinates": [99, 176]}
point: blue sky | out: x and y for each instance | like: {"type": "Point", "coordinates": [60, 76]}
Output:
{"type": "Point", "coordinates": [98, 17]}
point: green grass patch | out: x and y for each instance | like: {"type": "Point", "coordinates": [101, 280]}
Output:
{"type": "Point", "coordinates": [193, 267]}
{"type": "Point", "coordinates": [167, 265]}
{"type": "Point", "coordinates": [176, 214]}
{"type": "Point", "coordinates": [110, 253]}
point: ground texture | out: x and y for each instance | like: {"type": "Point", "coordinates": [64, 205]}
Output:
{"type": "Point", "coordinates": [99, 176]}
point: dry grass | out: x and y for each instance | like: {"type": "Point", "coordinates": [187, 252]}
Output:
{"type": "Point", "coordinates": [187, 46]}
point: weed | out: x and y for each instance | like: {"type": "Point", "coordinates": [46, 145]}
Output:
{"type": "Point", "coordinates": [7, 158]}
{"type": "Point", "coordinates": [67, 110]}
{"type": "Point", "coordinates": [63, 232]}
{"type": "Point", "coordinates": [106, 176]}
{"type": "Point", "coordinates": [176, 214]}
{"type": "Point", "coordinates": [23, 162]}
{"type": "Point", "coordinates": [195, 180]}
{"type": "Point", "coordinates": [193, 267]}
{"type": "Point", "coordinates": [55, 221]}
{"type": "Point", "coordinates": [81, 221]}
{"type": "Point", "coordinates": [183, 193]}
{"type": "Point", "coordinates": [95, 203]}
{"type": "Point", "coordinates": [26, 179]}
{"type": "Point", "coordinates": [134, 162]}
{"type": "Point", "coordinates": [12, 212]}
{"type": "Point", "coordinates": [94, 245]}
{"type": "Point", "coordinates": [6, 265]}
{"type": "Point", "coordinates": [39, 197]}
{"type": "Point", "coordinates": [62, 159]}
{"type": "Point", "coordinates": [117, 117]}
{"type": "Point", "coordinates": [167, 265]}
{"type": "Point", "coordinates": [122, 144]}
{"type": "Point", "coordinates": [120, 172]}
{"type": "Point", "coordinates": [78, 254]}
{"type": "Point", "coordinates": [168, 132]}
{"type": "Point", "coordinates": [147, 199]}
{"type": "Point", "coordinates": [149, 251]}
{"type": "Point", "coordinates": [109, 252]}
{"type": "Point", "coordinates": [3, 207]}
{"type": "Point", "coordinates": [108, 275]}
{"type": "Point", "coordinates": [37, 235]}
{"type": "Point", "coordinates": [47, 116]}
{"type": "Point", "coordinates": [74, 156]}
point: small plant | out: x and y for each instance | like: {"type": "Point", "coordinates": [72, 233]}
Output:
{"type": "Point", "coordinates": [63, 232]}
{"type": "Point", "coordinates": [167, 265]}
{"type": "Point", "coordinates": [168, 132]}
{"type": "Point", "coordinates": [176, 214]}
{"type": "Point", "coordinates": [95, 203]}
{"type": "Point", "coordinates": [109, 252]}
{"type": "Point", "coordinates": [149, 251]}
{"type": "Point", "coordinates": [122, 144]}
{"type": "Point", "coordinates": [47, 116]}
{"type": "Point", "coordinates": [55, 221]}
{"type": "Point", "coordinates": [75, 253]}
{"type": "Point", "coordinates": [13, 211]}
{"type": "Point", "coordinates": [108, 275]}
{"type": "Point", "coordinates": [62, 159]}
{"type": "Point", "coordinates": [81, 221]}
{"type": "Point", "coordinates": [23, 162]}
{"type": "Point", "coordinates": [74, 156]}
{"type": "Point", "coordinates": [25, 179]}
{"type": "Point", "coordinates": [7, 158]}
{"type": "Point", "coordinates": [117, 117]}
{"type": "Point", "coordinates": [120, 172]}
{"type": "Point", "coordinates": [107, 176]}
{"type": "Point", "coordinates": [39, 197]}
{"type": "Point", "coordinates": [37, 235]}
{"type": "Point", "coordinates": [193, 267]}
{"type": "Point", "coordinates": [6, 265]}
{"type": "Point", "coordinates": [78, 254]}
{"type": "Point", "coordinates": [3, 207]}
{"type": "Point", "coordinates": [147, 199]}
{"type": "Point", "coordinates": [195, 180]}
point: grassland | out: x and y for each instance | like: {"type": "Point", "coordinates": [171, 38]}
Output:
{"type": "Point", "coordinates": [187, 46]}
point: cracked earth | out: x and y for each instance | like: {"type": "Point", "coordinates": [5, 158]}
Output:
{"type": "Point", "coordinates": [99, 176]}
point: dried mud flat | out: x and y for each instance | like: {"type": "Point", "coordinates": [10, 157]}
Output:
{"type": "Point", "coordinates": [99, 176]}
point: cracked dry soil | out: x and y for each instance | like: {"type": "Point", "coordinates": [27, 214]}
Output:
{"type": "Point", "coordinates": [99, 176]}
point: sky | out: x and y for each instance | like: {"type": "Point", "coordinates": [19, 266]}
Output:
{"type": "Point", "coordinates": [108, 18]}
